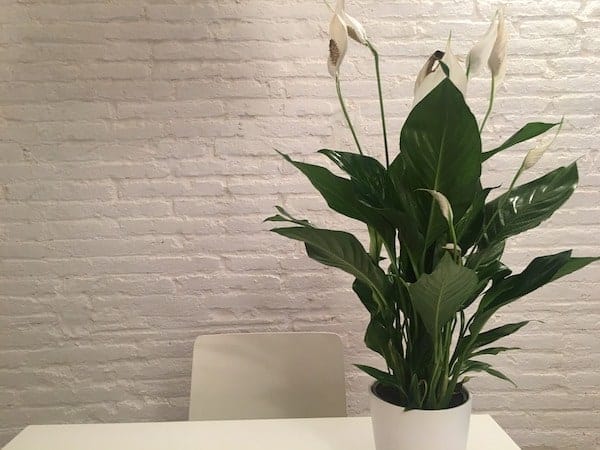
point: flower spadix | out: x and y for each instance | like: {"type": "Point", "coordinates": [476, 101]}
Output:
{"type": "Point", "coordinates": [432, 73]}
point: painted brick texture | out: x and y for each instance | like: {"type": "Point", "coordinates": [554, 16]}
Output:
{"type": "Point", "coordinates": [137, 163]}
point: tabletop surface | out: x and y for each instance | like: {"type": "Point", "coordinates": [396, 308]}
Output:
{"type": "Point", "coordinates": [339, 433]}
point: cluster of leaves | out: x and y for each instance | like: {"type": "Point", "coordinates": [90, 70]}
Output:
{"type": "Point", "coordinates": [433, 268]}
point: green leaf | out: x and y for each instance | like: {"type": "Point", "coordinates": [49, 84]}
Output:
{"type": "Point", "coordinates": [438, 296]}
{"type": "Point", "coordinates": [469, 226]}
{"type": "Point", "coordinates": [338, 192]}
{"type": "Point", "coordinates": [379, 375]}
{"type": "Point", "coordinates": [284, 216]}
{"type": "Point", "coordinates": [368, 175]}
{"type": "Point", "coordinates": [377, 336]}
{"type": "Point", "coordinates": [342, 250]}
{"type": "Point", "coordinates": [529, 205]}
{"type": "Point", "coordinates": [341, 196]}
{"type": "Point", "coordinates": [486, 262]}
{"type": "Point", "coordinates": [365, 294]}
{"type": "Point", "coordinates": [529, 131]}
{"type": "Point", "coordinates": [538, 273]}
{"type": "Point", "coordinates": [495, 334]}
{"type": "Point", "coordinates": [441, 150]}
{"type": "Point", "coordinates": [479, 366]}
{"type": "Point", "coordinates": [573, 265]}
{"type": "Point", "coordinates": [493, 351]}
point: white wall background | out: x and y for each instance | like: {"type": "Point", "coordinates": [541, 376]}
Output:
{"type": "Point", "coordinates": [137, 163]}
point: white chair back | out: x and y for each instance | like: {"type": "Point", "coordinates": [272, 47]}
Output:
{"type": "Point", "coordinates": [267, 375]}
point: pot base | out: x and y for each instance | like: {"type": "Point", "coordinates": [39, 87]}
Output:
{"type": "Point", "coordinates": [395, 428]}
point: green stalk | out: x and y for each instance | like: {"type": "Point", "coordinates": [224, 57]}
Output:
{"type": "Point", "coordinates": [385, 141]}
{"type": "Point", "coordinates": [339, 93]}
{"type": "Point", "coordinates": [490, 106]}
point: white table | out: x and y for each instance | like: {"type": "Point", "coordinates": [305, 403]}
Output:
{"type": "Point", "coordinates": [340, 433]}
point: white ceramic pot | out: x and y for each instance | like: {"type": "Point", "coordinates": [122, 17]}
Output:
{"type": "Point", "coordinates": [417, 429]}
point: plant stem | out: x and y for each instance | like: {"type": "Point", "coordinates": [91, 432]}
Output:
{"type": "Point", "coordinates": [490, 106]}
{"type": "Point", "coordinates": [339, 93]}
{"type": "Point", "coordinates": [385, 141]}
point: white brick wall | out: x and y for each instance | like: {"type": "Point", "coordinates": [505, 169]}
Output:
{"type": "Point", "coordinates": [137, 164]}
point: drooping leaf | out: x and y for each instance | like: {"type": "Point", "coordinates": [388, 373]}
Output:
{"type": "Point", "coordinates": [438, 296]}
{"type": "Point", "coordinates": [440, 150]}
{"type": "Point", "coordinates": [529, 205]}
{"type": "Point", "coordinates": [529, 131]}
{"type": "Point", "coordinates": [342, 250]}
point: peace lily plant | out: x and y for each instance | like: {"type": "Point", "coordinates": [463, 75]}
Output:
{"type": "Point", "coordinates": [436, 238]}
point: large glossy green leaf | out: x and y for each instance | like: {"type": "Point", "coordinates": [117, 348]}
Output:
{"type": "Point", "coordinates": [529, 205]}
{"type": "Point", "coordinates": [441, 150]}
{"type": "Point", "coordinates": [466, 345]}
{"type": "Point", "coordinates": [342, 250]}
{"type": "Point", "coordinates": [438, 296]}
{"type": "Point", "coordinates": [538, 273]}
{"type": "Point", "coordinates": [341, 196]}
{"type": "Point", "coordinates": [368, 175]}
{"type": "Point", "coordinates": [529, 131]}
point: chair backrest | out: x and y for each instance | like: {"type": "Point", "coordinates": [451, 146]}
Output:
{"type": "Point", "coordinates": [267, 375]}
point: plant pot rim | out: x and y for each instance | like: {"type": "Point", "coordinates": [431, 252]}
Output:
{"type": "Point", "coordinates": [465, 392]}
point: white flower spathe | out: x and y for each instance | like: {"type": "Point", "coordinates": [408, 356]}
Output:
{"type": "Point", "coordinates": [480, 53]}
{"type": "Point", "coordinates": [432, 74]}
{"type": "Point", "coordinates": [497, 59]}
{"type": "Point", "coordinates": [536, 153]}
{"type": "Point", "coordinates": [338, 44]}
{"type": "Point", "coordinates": [443, 204]}
{"type": "Point", "coordinates": [355, 29]}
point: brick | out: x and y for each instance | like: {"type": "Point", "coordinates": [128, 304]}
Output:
{"type": "Point", "coordinates": [137, 164]}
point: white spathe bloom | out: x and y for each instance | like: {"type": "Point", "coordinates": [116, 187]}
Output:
{"type": "Point", "coordinates": [480, 53]}
{"type": "Point", "coordinates": [536, 153]}
{"type": "Point", "coordinates": [338, 44]}
{"type": "Point", "coordinates": [497, 59]}
{"type": "Point", "coordinates": [355, 30]}
{"type": "Point", "coordinates": [432, 74]}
